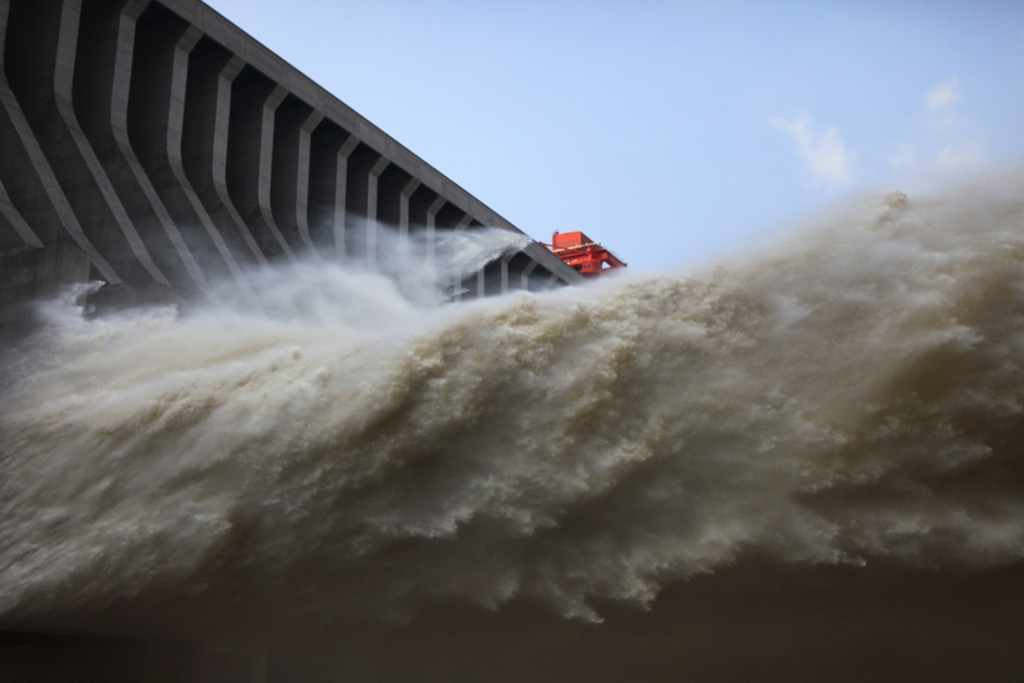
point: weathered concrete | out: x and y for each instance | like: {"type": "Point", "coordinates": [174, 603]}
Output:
{"type": "Point", "coordinates": [155, 146]}
{"type": "Point", "coordinates": [219, 155]}
{"type": "Point", "coordinates": [51, 215]}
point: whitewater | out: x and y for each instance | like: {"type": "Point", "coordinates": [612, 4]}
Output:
{"type": "Point", "coordinates": [335, 447]}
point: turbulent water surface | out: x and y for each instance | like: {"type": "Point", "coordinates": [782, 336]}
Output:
{"type": "Point", "coordinates": [848, 400]}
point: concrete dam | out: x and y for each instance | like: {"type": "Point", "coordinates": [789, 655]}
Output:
{"type": "Point", "coordinates": [803, 463]}
{"type": "Point", "coordinates": [156, 147]}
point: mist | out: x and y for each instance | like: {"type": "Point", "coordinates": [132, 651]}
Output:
{"type": "Point", "coordinates": [654, 474]}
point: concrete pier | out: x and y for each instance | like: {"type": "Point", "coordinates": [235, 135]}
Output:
{"type": "Point", "coordinates": [157, 147]}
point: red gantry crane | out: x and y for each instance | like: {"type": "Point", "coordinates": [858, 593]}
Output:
{"type": "Point", "coordinates": [584, 254]}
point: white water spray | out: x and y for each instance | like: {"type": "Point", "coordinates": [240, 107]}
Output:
{"type": "Point", "coordinates": [348, 451]}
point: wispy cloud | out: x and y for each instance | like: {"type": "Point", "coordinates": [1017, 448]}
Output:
{"type": "Point", "coordinates": [905, 157]}
{"type": "Point", "coordinates": [959, 158]}
{"type": "Point", "coordinates": [821, 148]}
{"type": "Point", "coordinates": [943, 95]}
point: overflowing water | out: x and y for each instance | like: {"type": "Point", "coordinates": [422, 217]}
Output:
{"type": "Point", "coordinates": [341, 448]}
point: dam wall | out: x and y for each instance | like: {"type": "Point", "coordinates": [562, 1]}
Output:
{"type": "Point", "coordinates": [158, 148]}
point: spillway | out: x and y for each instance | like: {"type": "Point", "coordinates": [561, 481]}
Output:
{"type": "Point", "coordinates": [157, 148]}
{"type": "Point", "coordinates": [260, 432]}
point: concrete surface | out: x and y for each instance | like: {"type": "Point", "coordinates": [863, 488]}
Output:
{"type": "Point", "coordinates": [157, 147]}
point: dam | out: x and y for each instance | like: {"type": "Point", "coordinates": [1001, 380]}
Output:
{"type": "Point", "coordinates": [803, 464]}
{"type": "Point", "coordinates": [157, 148]}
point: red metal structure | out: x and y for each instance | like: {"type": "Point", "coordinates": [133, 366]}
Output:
{"type": "Point", "coordinates": [584, 254]}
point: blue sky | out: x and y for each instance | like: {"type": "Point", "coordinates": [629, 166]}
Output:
{"type": "Point", "coordinates": [673, 132]}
